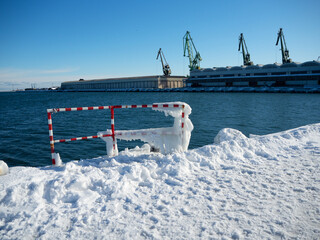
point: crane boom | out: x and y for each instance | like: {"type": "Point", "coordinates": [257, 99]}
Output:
{"type": "Point", "coordinates": [245, 53]}
{"type": "Point", "coordinates": [193, 54]}
{"type": "Point", "coordinates": [284, 50]}
{"type": "Point", "coordinates": [165, 66]}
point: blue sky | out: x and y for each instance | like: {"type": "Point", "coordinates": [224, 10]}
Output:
{"type": "Point", "coordinates": [47, 42]}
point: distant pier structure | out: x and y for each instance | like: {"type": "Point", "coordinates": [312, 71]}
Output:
{"type": "Point", "coordinates": [287, 74]}
{"type": "Point", "coordinates": [145, 82]}
{"type": "Point", "coordinates": [292, 74]}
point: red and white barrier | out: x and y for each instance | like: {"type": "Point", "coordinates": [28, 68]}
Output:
{"type": "Point", "coordinates": [176, 109]}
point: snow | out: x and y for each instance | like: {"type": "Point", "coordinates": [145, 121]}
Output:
{"type": "Point", "coordinates": [3, 168]}
{"type": "Point", "coordinates": [261, 187]}
{"type": "Point", "coordinates": [166, 140]}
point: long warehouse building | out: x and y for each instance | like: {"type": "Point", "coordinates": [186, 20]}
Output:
{"type": "Point", "coordinates": [146, 82]}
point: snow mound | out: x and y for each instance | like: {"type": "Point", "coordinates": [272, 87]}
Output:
{"type": "Point", "coordinates": [229, 134]}
{"type": "Point", "coordinates": [3, 168]}
{"type": "Point", "coordinates": [262, 187]}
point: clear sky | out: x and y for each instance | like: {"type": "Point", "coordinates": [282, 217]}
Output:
{"type": "Point", "coordinates": [46, 42]}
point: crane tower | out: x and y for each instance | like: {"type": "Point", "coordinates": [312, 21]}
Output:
{"type": "Point", "coordinates": [192, 53]}
{"type": "Point", "coordinates": [165, 66]}
{"type": "Point", "coordinates": [284, 50]}
{"type": "Point", "coordinates": [245, 53]}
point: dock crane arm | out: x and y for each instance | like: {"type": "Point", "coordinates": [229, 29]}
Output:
{"type": "Point", "coordinates": [245, 53]}
{"type": "Point", "coordinates": [193, 54]}
{"type": "Point", "coordinates": [165, 66]}
{"type": "Point", "coordinates": [284, 50]}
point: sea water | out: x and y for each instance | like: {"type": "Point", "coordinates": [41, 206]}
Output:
{"type": "Point", "coordinates": [24, 139]}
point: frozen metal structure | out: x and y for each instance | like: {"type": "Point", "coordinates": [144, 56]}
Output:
{"type": "Point", "coordinates": [284, 50]}
{"type": "Point", "coordinates": [165, 66]}
{"type": "Point", "coordinates": [167, 140]}
{"type": "Point", "coordinates": [192, 53]}
{"type": "Point", "coordinates": [244, 49]}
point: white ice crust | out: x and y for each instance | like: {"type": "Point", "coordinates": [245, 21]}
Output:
{"type": "Point", "coordinates": [167, 140]}
{"type": "Point", "coordinates": [58, 160]}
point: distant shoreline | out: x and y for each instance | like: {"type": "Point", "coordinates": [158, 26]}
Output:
{"type": "Point", "coordinates": [314, 89]}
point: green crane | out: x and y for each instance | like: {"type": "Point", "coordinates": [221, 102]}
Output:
{"type": "Point", "coordinates": [165, 66]}
{"type": "Point", "coordinates": [284, 50]}
{"type": "Point", "coordinates": [193, 54]}
{"type": "Point", "coordinates": [245, 53]}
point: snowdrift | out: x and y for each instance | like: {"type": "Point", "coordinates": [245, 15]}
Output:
{"type": "Point", "coordinates": [3, 168]}
{"type": "Point", "coordinates": [262, 187]}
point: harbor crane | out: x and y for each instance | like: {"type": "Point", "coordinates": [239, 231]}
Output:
{"type": "Point", "coordinates": [193, 54]}
{"type": "Point", "coordinates": [165, 66]}
{"type": "Point", "coordinates": [245, 53]}
{"type": "Point", "coordinates": [284, 50]}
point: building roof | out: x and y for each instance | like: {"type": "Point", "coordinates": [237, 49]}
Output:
{"type": "Point", "coordinates": [260, 66]}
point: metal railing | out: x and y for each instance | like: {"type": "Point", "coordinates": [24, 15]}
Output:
{"type": "Point", "coordinates": [113, 134]}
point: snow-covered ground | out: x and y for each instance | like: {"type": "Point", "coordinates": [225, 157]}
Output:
{"type": "Point", "coordinates": [262, 187]}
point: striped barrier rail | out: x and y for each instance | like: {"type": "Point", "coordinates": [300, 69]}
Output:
{"type": "Point", "coordinates": [113, 133]}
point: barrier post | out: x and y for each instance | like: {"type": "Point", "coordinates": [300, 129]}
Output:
{"type": "Point", "coordinates": [182, 117]}
{"type": "Point", "coordinates": [51, 138]}
{"type": "Point", "coordinates": [112, 128]}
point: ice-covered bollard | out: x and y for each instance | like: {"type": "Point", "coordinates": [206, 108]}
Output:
{"type": "Point", "coordinates": [4, 169]}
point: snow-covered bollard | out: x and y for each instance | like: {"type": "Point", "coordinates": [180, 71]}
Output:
{"type": "Point", "coordinates": [4, 169]}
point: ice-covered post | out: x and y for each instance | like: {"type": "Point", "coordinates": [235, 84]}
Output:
{"type": "Point", "coordinates": [51, 137]}
{"type": "Point", "coordinates": [182, 119]}
{"type": "Point", "coordinates": [114, 144]}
